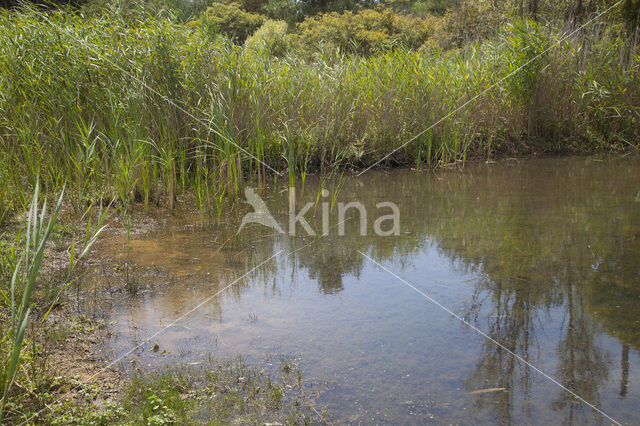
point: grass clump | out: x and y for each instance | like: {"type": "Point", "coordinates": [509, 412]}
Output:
{"type": "Point", "coordinates": [223, 392]}
{"type": "Point", "coordinates": [26, 255]}
{"type": "Point", "coordinates": [270, 39]}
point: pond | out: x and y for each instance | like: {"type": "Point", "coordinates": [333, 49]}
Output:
{"type": "Point", "coordinates": [510, 294]}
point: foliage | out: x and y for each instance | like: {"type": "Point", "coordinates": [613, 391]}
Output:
{"type": "Point", "coordinates": [631, 13]}
{"type": "Point", "coordinates": [231, 20]}
{"type": "Point", "coordinates": [142, 110]}
{"type": "Point", "coordinates": [422, 7]}
{"type": "Point", "coordinates": [42, 3]}
{"type": "Point", "coordinates": [363, 32]}
{"type": "Point", "coordinates": [271, 37]}
{"type": "Point", "coordinates": [525, 49]}
{"type": "Point", "coordinates": [293, 11]}
{"type": "Point", "coordinates": [285, 10]}
{"type": "Point", "coordinates": [470, 21]}
{"type": "Point", "coordinates": [7, 192]}
{"type": "Point", "coordinates": [22, 286]}
{"type": "Point", "coordinates": [19, 297]}
{"type": "Point", "coordinates": [253, 6]}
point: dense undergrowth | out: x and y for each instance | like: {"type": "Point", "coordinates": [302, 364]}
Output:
{"type": "Point", "coordinates": [140, 109]}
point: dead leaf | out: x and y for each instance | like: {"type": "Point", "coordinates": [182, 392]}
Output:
{"type": "Point", "coordinates": [486, 390]}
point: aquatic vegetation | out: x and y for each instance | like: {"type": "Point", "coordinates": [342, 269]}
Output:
{"type": "Point", "coordinates": [142, 110]}
{"type": "Point", "coordinates": [233, 391]}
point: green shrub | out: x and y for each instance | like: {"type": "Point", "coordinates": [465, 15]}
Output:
{"type": "Point", "coordinates": [231, 20]}
{"type": "Point", "coordinates": [526, 44]}
{"type": "Point", "coordinates": [472, 20]}
{"type": "Point", "coordinates": [364, 32]}
{"type": "Point", "coordinates": [253, 6]}
{"type": "Point", "coordinates": [293, 11]}
{"type": "Point", "coordinates": [271, 38]}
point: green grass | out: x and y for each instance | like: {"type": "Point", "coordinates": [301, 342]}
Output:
{"type": "Point", "coordinates": [142, 110]}
{"type": "Point", "coordinates": [217, 392]}
{"type": "Point", "coordinates": [224, 392]}
{"type": "Point", "coordinates": [21, 288]}
{"type": "Point", "coordinates": [26, 255]}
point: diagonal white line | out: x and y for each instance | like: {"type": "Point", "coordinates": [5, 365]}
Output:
{"type": "Point", "coordinates": [139, 80]}
{"type": "Point", "coordinates": [491, 339]}
{"type": "Point", "coordinates": [184, 315]}
{"type": "Point", "coordinates": [511, 74]}
{"type": "Point", "coordinates": [163, 329]}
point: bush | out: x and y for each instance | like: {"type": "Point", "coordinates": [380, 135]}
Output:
{"type": "Point", "coordinates": [231, 20]}
{"type": "Point", "coordinates": [365, 32]}
{"type": "Point", "coordinates": [293, 11]}
{"type": "Point", "coordinates": [271, 38]}
{"type": "Point", "coordinates": [471, 20]}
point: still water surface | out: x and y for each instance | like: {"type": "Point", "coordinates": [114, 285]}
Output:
{"type": "Point", "coordinates": [543, 255]}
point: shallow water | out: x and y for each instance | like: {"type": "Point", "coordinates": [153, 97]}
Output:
{"type": "Point", "coordinates": [542, 255]}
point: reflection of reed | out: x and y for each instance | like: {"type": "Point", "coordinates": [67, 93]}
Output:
{"type": "Point", "coordinates": [532, 238]}
{"type": "Point", "coordinates": [624, 366]}
{"type": "Point", "coordinates": [511, 324]}
{"type": "Point", "coordinates": [583, 365]}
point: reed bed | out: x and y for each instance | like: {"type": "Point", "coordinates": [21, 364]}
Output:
{"type": "Point", "coordinates": [141, 110]}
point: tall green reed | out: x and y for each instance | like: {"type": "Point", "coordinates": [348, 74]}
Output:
{"type": "Point", "coordinates": [143, 109]}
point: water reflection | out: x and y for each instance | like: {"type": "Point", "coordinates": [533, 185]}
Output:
{"type": "Point", "coordinates": [543, 255]}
